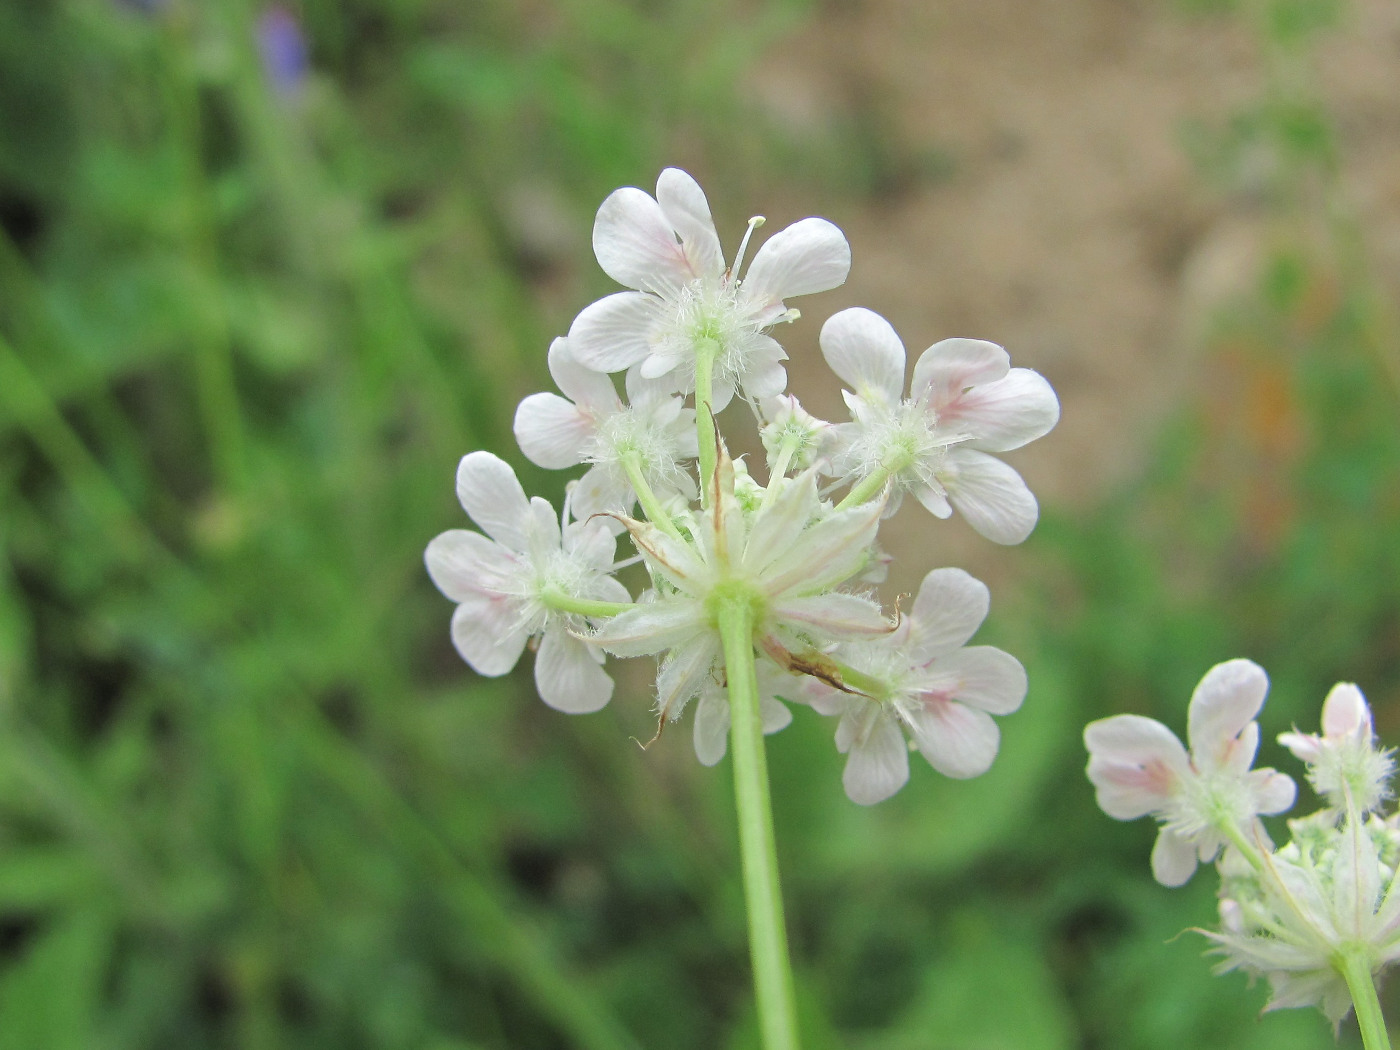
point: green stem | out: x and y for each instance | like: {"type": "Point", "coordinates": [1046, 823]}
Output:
{"type": "Point", "coordinates": [562, 602]}
{"type": "Point", "coordinates": [1354, 965]}
{"type": "Point", "coordinates": [768, 951]}
{"type": "Point", "coordinates": [867, 489]}
{"type": "Point", "coordinates": [705, 351]}
{"type": "Point", "coordinates": [651, 506]}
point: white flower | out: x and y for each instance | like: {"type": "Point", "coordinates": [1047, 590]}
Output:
{"type": "Point", "coordinates": [793, 438]}
{"type": "Point", "coordinates": [686, 303]}
{"type": "Point", "coordinates": [1345, 759]}
{"type": "Point", "coordinates": [786, 558]}
{"type": "Point", "coordinates": [1328, 892]}
{"type": "Point", "coordinates": [654, 435]}
{"type": "Point", "coordinates": [965, 401]}
{"type": "Point", "coordinates": [923, 679]}
{"type": "Point", "coordinates": [507, 586]}
{"type": "Point", "coordinates": [1138, 766]}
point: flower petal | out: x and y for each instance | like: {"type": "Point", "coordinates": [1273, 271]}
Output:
{"type": "Point", "coordinates": [990, 495]}
{"type": "Point", "coordinates": [947, 368]}
{"type": "Point", "coordinates": [878, 765]}
{"type": "Point", "coordinates": [491, 495]}
{"type": "Point", "coordinates": [1006, 414]}
{"type": "Point", "coordinates": [1135, 764]}
{"type": "Point", "coordinates": [568, 675]}
{"type": "Point", "coordinates": [1173, 858]}
{"type": "Point", "coordinates": [552, 432]}
{"type": "Point", "coordinates": [1345, 713]}
{"type": "Point", "coordinates": [957, 740]}
{"type": "Point", "coordinates": [464, 563]}
{"type": "Point", "coordinates": [488, 634]}
{"type": "Point", "coordinates": [586, 387]}
{"type": "Point", "coordinates": [1225, 701]}
{"type": "Point", "coordinates": [711, 727]}
{"type": "Point", "coordinates": [980, 676]}
{"type": "Point", "coordinates": [636, 245]}
{"type": "Point", "coordinates": [865, 352]}
{"type": "Point", "coordinates": [1273, 792]}
{"type": "Point", "coordinates": [948, 609]}
{"type": "Point", "coordinates": [686, 209]}
{"type": "Point", "coordinates": [809, 256]}
{"type": "Point", "coordinates": [614, 333]}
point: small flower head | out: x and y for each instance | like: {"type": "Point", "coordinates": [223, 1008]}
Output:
{"type": "Point", "coordinates": [1345, 761]}
{"type": "Point", "coordinates": [504, 585]}
{"type": "Point", "coordinates": [1139, 767]}
{"type": "Point", "coordinates": [793, 438]}
{"type": "Point", "coordinates": [686, 304]}
{"type": "Point", "coordinates": [965, 401]}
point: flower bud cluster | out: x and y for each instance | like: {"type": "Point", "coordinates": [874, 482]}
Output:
{"type": "Point", "coordinates": [797, 551]}
{"type": "Point", "coordinates": [1298, 914]}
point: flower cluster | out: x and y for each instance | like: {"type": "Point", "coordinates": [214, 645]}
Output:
{"type": "Point", "coordinates": [793, 557]}
{"type": "Point", "coordinates": [1312, 916]}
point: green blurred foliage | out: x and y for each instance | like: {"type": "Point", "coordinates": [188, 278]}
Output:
{"type": "Point", "coordinates": [249, 796]}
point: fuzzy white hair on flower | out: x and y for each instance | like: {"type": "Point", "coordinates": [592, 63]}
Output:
{"type": "Point", "coordinates": [509, 583]}
{"type": "Point", "coordinates": [651, 438]}
{"type": "Point", "coordinates": [1202, 799]}
{"type": "Point", "coordinates": [685, 304]}
{"type": "Point", "coordinates": [925, 680]}
{"type": "Point", "coordinates": [1345, 761]}
{"type": "Point", "coordinates": [965, 401]}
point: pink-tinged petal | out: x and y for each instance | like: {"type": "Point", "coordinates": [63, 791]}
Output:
{"type": "Point", "coordinates": [686, 209]}
{"type": "Point", "coordinates": [823, 699]}
{"type": "Point", "coordinates": [488, 634]}
{"type": "Point", "coordinates": [684, 672]}
{"type": "Point", "coordinates": [711, 727]}
{"type": "Point", "coordinates": [1006, 414]}
{"type": "Point", "coordinates": [878, 765]}
{"type": "Point", "coordinates": [866, 353]}
{"type": "Point", "coordinates": [463, 563]}
{"type": "Point", "coordinates": [1273, 792]}
{"type": "Point", "coordinates": [837, 614]}
{"type": "Point", "coordinates": [1173, 858]}
{"type": "Point", "coordinates": [588, 388]}
{"type": "Point", "coordinates": [1345, 713]}
{"type": "Point", "coordinates": [1225, 701]}
{"type": "Point", "coordinates": [1306, 747]}
{"type": "Point", "coordinates": [568, 675]}
{"type": "Point", "coordinates": [1135, 764]}
{"type": "Point", "coordinates": [809, 256]}
{"type": "Point", "coordinates": [989, 494]}
{"type": "Point", "coordinates": [614, 333]}
{"type": "Point", "coordinates": [947, 368]}
{"type": "Point", "coordinates": [957, 740]}
{"type": "Point", "coordinates": [552, 432]}
{"type": "Point", "coordinates": [947, 611]}
{"type": "Point", "coordinates": [653, 627]}
{"type": "Point", "coordinates": [635, 243]}
{"type": "Point", "coordinates": [491, 495]}
{"type": "Point", "coordinates": [980, 676]}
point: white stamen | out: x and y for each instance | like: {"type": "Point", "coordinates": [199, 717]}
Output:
{"type": "Point", "coordinates": [754, 223]}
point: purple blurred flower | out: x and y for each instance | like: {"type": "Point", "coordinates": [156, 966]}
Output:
{"type": "Point", "coordinates": [283, 49]}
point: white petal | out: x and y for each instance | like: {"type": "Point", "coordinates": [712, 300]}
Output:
{"type": "Point", "coordinates": [865, 352]}
{"type": "Point", "coordinates": [878, 765]}
{"type": "Point", "coordinates": [980, 676]}
{"type": "Point", "coordinates": [636, 245]}
{"type": "Point", "coordinates": [1006, 414]}
{"type": "Point", "coordinates": [809, 256]}
{"type": "Point", "coordinates": [686, 209]}
{"type": "Point", "coordinates": [990, 495]}
{"type": "Point", "coordinates": [1173, 858]}
{"type": "Point", "coordinates": [552, 432]}
{"type": "Point", "coordinates": [957, 740]}
{"type": "Point", "coordinates": [488, 634]}
{"type": "Point", "coordinates": [491, 495]}
{"type": "Point", "coordinates": [614, 333]}
{"type": "Point", "coordinates": [1273, 792]}
{"type": "Point", "coordinates": [591, 543]}
{"type": "Point", "coordinates": [1225, 701]}
{"type": "Point", "coordinates": [588, 388]}
{"type": "Point", "coordinates": [602, 490]}
{"type": "Point", "coordinates": [463, 563]}
{"type": "Point", "coordinates": [947, 611]}
{"type": "Point", "coordinates": [568, 676]}
{"type": "Point", "coordinates": [711, 727]}
{"type": "Point", "coordinates": [934, 500]}
{"type": "Point", "coordinates": [1345, 712]}
{"type": "Point", "coordinates": [841, 615]}
{"type": "Point", "coordinates": [774, 714]}
{"type": "Point", "coordinates": [652, 627]}
{"type": "Point", "coordinates": [947, 368]}
{"type": "Point", "coordinates": [1135, 764]}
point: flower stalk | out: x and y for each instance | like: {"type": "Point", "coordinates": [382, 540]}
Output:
{"type": "Point", "coordinates": [768, 948]}
{"type": "Point", "coordinates": [1355, 968]}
